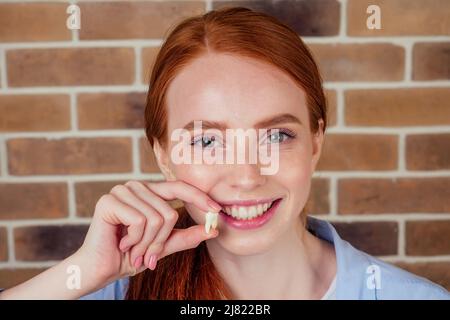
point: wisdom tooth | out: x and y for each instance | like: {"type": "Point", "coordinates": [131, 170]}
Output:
{"type": "Point", "coordinates": [211, 221]}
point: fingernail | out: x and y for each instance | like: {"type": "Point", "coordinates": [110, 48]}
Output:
{"type": "Point", "coordinates": [138, 262]}
{"type": "Point", "coordinates": [152, 262]}
{"type": "Point", "coordinates": [214, 205]}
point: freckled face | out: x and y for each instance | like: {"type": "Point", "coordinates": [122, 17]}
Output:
{"type": "Point", "coordinates": [240, 92]}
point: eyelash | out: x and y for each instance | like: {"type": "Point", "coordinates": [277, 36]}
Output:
{"type": "Point", "coordinates": [288, 133]}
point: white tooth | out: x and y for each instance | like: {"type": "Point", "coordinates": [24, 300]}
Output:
{"type": "Point", "coordinates": [228, 210]}
{"type": "Point", "coordinates": [259, 209]}
{"type": "Point", "coordinates": [211, 220]}
{"type": "Point", "coordinates": [252, 212]}
{"type": "Point", "coordinates": [243, 214]}
{"type": "Point", "coordinates": [235, 212]}
{"type": "Point", "coordinates": [265, 205]}
{"type": "Point", "coordinates": [215, 221]}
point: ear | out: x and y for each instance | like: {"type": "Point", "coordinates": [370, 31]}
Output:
{"type": "Point", "coordinates": [317, 143]}
{"type": "Point", "coordinates": [162, 158]}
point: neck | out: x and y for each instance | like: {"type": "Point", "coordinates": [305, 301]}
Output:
{"type": "Point", "coordinates": [298, 266]}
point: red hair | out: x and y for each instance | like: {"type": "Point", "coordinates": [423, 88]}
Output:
{"type": "Point", "coordinates": [190, 274]}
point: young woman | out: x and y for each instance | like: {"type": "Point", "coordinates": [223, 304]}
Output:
{"type": "Point", "coordinates": [232, 69]}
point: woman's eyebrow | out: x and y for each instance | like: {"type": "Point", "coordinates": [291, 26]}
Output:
{"type": "Point", "coordinates": [278, 119]}
{"type": "Point", "coordinates": [206, 124]}
{"type": "Point", "coordinates": [274, 120]}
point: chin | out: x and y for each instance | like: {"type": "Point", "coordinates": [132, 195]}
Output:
{"type": "Point", "coordinates": [246, 243]}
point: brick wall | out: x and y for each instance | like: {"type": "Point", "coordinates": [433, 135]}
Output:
{"type": "Point", "coordinates": [71, 121]}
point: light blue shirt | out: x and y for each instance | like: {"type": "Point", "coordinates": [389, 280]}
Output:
{"type": "Point", "coordinates": [359, 275]}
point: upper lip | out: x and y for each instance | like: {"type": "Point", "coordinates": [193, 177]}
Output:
{"type": "Point", "coordinates": [249, 202]}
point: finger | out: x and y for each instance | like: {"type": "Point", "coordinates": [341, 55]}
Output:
{"type": "Point", "coordinates": [171, 190]}
{"type": "Point", "coordinates": [184, 239]}
{"type": "Point", "coordinates": [118, 213]}
{"type": "Point", "coordinates": [153, 224]}
{"type": "Point", "coordinates": [168, 214]}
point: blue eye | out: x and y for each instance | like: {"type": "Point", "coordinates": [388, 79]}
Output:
{"type": "Point", "coordinates": [206, 142]}
{"type": "Point", "coordinates": [280, 136]}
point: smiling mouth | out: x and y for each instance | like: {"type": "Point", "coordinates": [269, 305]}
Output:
{"type": "Point", "coordinates": [247, 212]}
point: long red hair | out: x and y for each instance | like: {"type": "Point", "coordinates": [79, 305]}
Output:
{"type": "Point", "coordinates": [190, 274]}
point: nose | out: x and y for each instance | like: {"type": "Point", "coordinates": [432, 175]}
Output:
{"type": "Point", "coordinates": [245, 176]}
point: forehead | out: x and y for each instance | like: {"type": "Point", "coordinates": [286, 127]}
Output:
{"type": "Point", "coordinates": [231, 88]}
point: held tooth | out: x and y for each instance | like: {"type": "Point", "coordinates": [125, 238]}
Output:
{"type": "Point", "coordinates": [214, 222]}
{"type": "Point", "coordinates": [211, 221]}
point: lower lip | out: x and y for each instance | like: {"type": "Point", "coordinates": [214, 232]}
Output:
{"type": "Point", "coordinates": [251, 223]}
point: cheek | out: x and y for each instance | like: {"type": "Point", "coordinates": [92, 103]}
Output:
{"type": "Point", "coordinates": [199, 176]}
{"type": "Point", "coordinates": [295, 174]}
{"type": "Point", "coordinates": [295, 164]}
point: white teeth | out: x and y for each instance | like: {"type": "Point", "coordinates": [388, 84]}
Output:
{"type": "Point", "coordinates": [259, 209]}
{"type": "Point", "coordinates": [247, 212]}
{"type": "Point", "coordinates": [211, 221]}
{"type": "Point", "coordinates": [243, 214]}
{"type": "Point", "coordinates": [234, 212]}
{"type": "Point", "coordinates": [252, 211]}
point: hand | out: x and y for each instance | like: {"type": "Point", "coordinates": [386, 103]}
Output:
{"type": "Point", "coordinates": [133, 227]}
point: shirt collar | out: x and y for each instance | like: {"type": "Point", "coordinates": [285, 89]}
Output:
{"type": "Point", "coordinates": [352, 264]}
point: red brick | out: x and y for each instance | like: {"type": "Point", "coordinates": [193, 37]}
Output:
{"type": "Point", "coordinates": [428, 151]}
{"type": "Point", "coordinates": [52, 242]}
{"type": "Point", "coordinates": [147, 156]}
{"type": "Point", "coordinates": [70, 66]}
{"type": "Point", "coordinates": [428, 238]}
{"type": "Point", "coordinates": [396, 195]}
{"type": "Point", "coordinates": [360, 62]}
{"type": "Point", "coordinates": [33, 200]}
{"type": "Point", "coordinates": [400, 17]}
{"type": "Point", "coordinates": [43, 112]}
{"type": "Point", "coordinates": [3, 244]}
{"type": "Point", "coordinates": [318, 201]}
{"type": "Point", "coordinates": [27, 156]}
{"type": "Point", "coordinates": [21, 22]}
{"type": "Point", "coordinates": [438, 272]}
{"type": "Point", "coordinates": [331, 97]}
{"type": "Point", "coordinates": [431, 61]}
{"type": "Point", "coordinates": [134, 19]}
{"type": "Point", "coordinates": [358, 152]}
{"type": "Point", "coordinates": [397, 107]}
{"type": "Point", "coordinates": [307, 18]}
{"type": "Point", "coordinates": [111, 110]}
{"type": "Point", "coordinates": [378, 238]}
